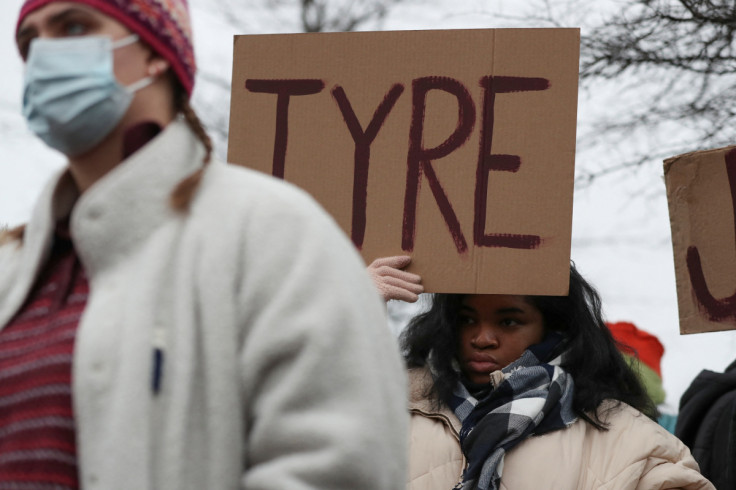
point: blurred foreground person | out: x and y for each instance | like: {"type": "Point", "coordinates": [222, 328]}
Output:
{"type": "Point", "coordinates": [707, 424]}
{"type": "Point", "coordinates": [489, 372]}
{"type": "Point", "coordinates": [168, 322]}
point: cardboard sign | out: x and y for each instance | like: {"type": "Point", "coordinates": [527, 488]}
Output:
{"type": "Point", "coordinates": [701, 192]}
{"type": "Point", "coordinates": [456, 147]}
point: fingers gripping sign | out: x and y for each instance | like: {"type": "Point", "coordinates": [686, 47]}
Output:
{"type": "Point", "coordinates": [392, 281]}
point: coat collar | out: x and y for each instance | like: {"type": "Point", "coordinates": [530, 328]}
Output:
{"type": "Point", "coordinates": [110, 219]}
{"type": "Point", "coordinates": [131, 202]}
{"type": "Point", "coordinates": [420, 384]}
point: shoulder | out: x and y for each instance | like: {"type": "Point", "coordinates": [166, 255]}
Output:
{"type": "Point", "coordinates": [420, 382]}
{"type": "Point", "coordinates": [627, 423]}
{"type": "Point", "coordinates": [284, 239]}
{"type": "Point", "coordinates": [436, 460]}
{"type": "Point", "coordinates": [632, 438]}
{"type": "Point", "coordinates": [708, 394]}
{"type": "Point", "coordinates": [435, 457]}
{"type": "Point", "coordinates": [705, 422]}
{"type": "Point", "coordinates": [234, 185]}
{"type": "Point", "coordinates": [648, 453]}
{"type": "Point", "coordinates": [264, 210]}
{"type": "Point", "coordinates": [425, 411]}
{"type": "Point", "coordinates": [635, 452]}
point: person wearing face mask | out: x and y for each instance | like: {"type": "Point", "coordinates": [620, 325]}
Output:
{"type": "Point", "coordinates": [511, 391]}
{"type": "Point", "coordinates": [168, 321]}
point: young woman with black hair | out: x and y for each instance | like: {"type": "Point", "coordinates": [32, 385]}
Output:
{"type": "Point", "coordinates": [510, 391]}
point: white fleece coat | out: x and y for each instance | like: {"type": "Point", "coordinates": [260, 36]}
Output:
{"type": "Point", "coordinates": [279, 371]}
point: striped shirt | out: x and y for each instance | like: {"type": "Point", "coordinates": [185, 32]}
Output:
{"type": "Point", "coordinates": [37, 441]}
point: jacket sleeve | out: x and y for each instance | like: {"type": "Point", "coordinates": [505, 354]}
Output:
{"type": "Point", "coordinates": [322, 377]}
{"type": "Point", "coordinates": [658, 460]}
{"type": "Point", "coordinates": [683, 474]}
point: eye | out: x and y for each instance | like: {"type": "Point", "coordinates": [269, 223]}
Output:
{"type": "Point", "coordinates": [23, 48]}
{"type": "Point", "coordinates": [465, 320]}
{"type": "Point", "coordinates": [509, 322]}
{"type": "Point", "coordinates": [74, 28]}
{"type": "Point", "coordinates": [23, 40]}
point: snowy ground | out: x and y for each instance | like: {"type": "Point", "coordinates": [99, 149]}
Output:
{"type": "Point", "coordinates": [621, 237]}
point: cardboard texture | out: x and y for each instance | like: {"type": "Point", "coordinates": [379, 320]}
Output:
{"type": "Point", "coordinates": [701, 193]}
{"type": "Point", "coordinates": [456, 147]}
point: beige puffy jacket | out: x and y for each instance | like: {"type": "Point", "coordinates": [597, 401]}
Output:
{"type": "Point", "coordinates": [635, 453]}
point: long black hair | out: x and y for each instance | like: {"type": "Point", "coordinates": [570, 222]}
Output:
{"type": "Point", "coordinates": [592, 355]}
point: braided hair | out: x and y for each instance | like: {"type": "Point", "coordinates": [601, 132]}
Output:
{"type": "Point", "coordinates": [182, 195]}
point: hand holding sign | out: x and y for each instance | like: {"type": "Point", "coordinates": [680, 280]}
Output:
{"type": "Point", "coordinates": [393, 282]}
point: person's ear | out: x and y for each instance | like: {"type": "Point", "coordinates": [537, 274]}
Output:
{"type": "Point", "coordinates": [157, 66]}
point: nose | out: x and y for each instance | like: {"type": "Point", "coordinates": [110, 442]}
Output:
{"type": "Point", "coordinates": [485, 338]}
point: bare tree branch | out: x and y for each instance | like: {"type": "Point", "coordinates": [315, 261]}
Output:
{"type": "Point", "coordinates": [299, 15]}
{"type": "Point", "coordinates": [681, 57]}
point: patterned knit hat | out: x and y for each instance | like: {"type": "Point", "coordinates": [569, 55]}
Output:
{"type": "Point", "coordinates": [162, 24]}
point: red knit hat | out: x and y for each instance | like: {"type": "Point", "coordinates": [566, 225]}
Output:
{"type": "Point", "coordinates": [162, 24]}
{"type": "Point", "coordinates": [647, 347]}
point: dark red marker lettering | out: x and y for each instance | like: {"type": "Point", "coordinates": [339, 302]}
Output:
{"type": "Point", "coordinates": [363, 140]}
{"type": "Point", "coordinates": [284, 89]}
{"type": "Point", "coordinates": [716, 310]}
{"type": "Point", "coordinates": [503, 163]}
{"type": "Point", "coordinates": [419, 160]}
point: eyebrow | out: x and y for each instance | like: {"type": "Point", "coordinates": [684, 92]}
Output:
{"type": "Point", "coordinates": [513, 309]}
{"type": "Point", "coordinates": [502, 311]}
{"type": "Point", "coordinates": [27, 31]}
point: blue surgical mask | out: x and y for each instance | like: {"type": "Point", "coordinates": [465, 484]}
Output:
{"type": "Point", "coordinates": [71, 98]}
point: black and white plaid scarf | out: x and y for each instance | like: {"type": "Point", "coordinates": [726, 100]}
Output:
{"type": "Point", "coordinates": [531, 396]}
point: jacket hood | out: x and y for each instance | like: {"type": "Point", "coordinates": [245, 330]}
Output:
{"type": "Point", "coordinates": [703, 392]}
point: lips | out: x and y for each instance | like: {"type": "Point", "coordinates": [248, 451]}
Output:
{"type": "Point", "coordinates": [482, 365]}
